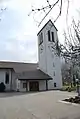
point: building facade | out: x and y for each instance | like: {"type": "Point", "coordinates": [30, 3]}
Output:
{"type": "Point", "coordinates": [45, 75]}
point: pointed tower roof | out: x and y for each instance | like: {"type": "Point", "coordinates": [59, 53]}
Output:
{"type": "Point", "coordinates": [45, 26]}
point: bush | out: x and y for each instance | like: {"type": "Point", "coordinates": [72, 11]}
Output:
{"type": "Point", "coordinates": [69, 89]}
{"type": "Point", "coordinates": [2, 87]}
{"type": "Point", "coordinates": [76, 99]}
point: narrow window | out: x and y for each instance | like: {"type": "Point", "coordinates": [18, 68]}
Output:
{"type": "Point", "coordinates": [54, 73]}
{"type": "Point", "coordinates": [40, 38]}
{"type": "Point", "coordinates": [7, 78]}
{"type": "Point", "coordinates": [54, 84]}
{"type": "Point", "coordinates": [24, 85]}
{"type": "Point", "coordinates": [49, 39]}
{"type": "Point", "coordinates": [53, 64]}
{"type": "Point", "coordinates": [52, 33]}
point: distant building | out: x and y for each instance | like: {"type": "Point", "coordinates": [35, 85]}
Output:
{"type": "Point", "coordinates": [45, 75]}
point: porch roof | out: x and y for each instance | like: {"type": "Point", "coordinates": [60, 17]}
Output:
{"type": "Point", "coordinates": [33, 75]}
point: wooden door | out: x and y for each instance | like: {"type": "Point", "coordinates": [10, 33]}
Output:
{"type": "Point", "coordinates": [34, 86]}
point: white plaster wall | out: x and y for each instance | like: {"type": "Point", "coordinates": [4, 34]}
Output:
{"type": "Point", "coordinates": [17, 85]}
{"type": "Point", "coordinates": [58, 76]}
{"type": "Point", "coordinates": [21, 86]}
{"type": "Point", "coordinates": [52, 58]}
{"type": "Point", "coordinates": [14, 81]}
{"type": "Point", "coordinates": [42, 85]}
{"type": "Point", "coordinates": [42, 55]}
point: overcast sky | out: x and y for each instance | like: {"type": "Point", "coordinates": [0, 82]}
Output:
{"type": "Point", "coordinates": [18, 32]}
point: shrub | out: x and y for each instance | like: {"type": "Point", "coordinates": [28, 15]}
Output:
{"type": "Point", "coordinates": [2, 87]}
{"type": "Point", "coordinates": [69, 89]}
{"type": "Point", "coordinates": [62, 89]}
{"type": "Point", "coordinates": [65, 89]}
{"type": "Point", "coordinates": [76, 99]}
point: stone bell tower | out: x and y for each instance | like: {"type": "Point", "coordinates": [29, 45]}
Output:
{"type": "Point", "coordinates": [49, 62]}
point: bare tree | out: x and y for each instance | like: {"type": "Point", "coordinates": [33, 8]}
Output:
{"type": "Point", "coordinates": [71, 48]}
{"type": "Point", "coordinates": [47, 9]}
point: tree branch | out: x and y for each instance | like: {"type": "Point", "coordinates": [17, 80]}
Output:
{"type": "Point", "coordinates": [67, 11]}
{"type": "Point", "coordinates": [48, 12]}
{"type": "Point", "coordinates": [59, 12]}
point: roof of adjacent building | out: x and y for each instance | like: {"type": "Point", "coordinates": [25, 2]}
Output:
{"type": "Point", "coordinates": [18, 66]}
{"type": "Point", "coordinates": [25, 70]}
{"type": "Point", "coordinates": [33, 75]}
{"type": "Point", "coordinates": [46, 24]}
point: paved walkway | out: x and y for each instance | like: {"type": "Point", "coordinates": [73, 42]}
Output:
{"type": "Point", "coordinates": [43, 105]}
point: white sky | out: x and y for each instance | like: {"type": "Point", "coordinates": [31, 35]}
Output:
{"type": "Point", "coordinates": [18, 32]}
